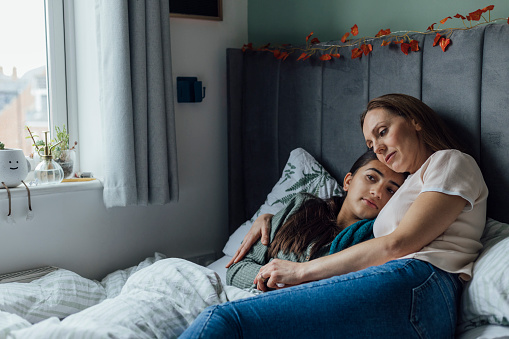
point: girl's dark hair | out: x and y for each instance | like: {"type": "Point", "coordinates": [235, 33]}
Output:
{"type": "Point", "coordinates": [315, 221]}
{"type": "Point", "coordinates": [435, 133]}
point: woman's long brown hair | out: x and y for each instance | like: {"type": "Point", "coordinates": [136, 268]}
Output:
{"type": "Point", "coordinates": [314, 222]}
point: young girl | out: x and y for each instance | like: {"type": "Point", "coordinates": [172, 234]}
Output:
{"type": "Point", "coordinates": [310, 227]}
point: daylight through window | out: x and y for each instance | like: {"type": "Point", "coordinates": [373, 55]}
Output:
{"type": "Point", "coordinates": [23, 81]}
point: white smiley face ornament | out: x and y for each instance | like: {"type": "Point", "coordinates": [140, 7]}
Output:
{"type": "Point", "coordinates": [13, 167]}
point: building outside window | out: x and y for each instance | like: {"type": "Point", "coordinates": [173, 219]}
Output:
{"type": "Point", "coordinates": [23, 72]}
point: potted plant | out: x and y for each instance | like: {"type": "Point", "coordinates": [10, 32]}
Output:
{"type": "Point", "coordinates": [62, 154]}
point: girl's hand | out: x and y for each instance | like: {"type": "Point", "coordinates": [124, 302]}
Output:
{"type": "Point", "coordinates": [260, 228]}
{"type": "Point", "coordinates": [279, 272]}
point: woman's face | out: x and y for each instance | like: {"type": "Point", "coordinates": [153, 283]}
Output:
{"type": "Point", "coordinates": [395, 140]}
{"type": "Point", "coordinates": [369, 189]}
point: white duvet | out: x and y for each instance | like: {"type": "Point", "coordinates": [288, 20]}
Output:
{"type": "Point", "coordinates": [157, 299]}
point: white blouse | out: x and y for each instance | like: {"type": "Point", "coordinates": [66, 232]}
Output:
{"type": "Point", "coordinates": [454, 173]}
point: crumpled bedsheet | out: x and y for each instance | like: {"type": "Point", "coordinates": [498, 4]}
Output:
{"type": "Point", "coordinates": [157, 301]}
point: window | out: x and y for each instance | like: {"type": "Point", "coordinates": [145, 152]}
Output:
{"type": "Point", "coordinates": [32, 70]}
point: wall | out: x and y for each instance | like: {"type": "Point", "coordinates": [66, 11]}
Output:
{"type": "Point", "coordinates": [290, 21]}
{"type": "Point", "coordinates": [73, 230]}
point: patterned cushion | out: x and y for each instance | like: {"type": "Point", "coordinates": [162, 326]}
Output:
{"type": "Point", "coordinates": [302, 173]}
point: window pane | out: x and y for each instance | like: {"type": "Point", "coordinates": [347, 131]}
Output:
{"type": "Point", "coordinates": [23, 85]}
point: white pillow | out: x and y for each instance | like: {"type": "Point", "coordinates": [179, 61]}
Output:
{"type": "Point", "coordinates": [485, 298]}
{"type": "Point", "coordinates": [302, 173]}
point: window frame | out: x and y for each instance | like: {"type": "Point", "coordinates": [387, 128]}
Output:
{"type": "Point", "coordinates": [61, 68]}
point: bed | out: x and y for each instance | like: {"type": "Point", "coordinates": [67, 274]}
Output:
{"type": "Point", "coordinates": [293, 126]}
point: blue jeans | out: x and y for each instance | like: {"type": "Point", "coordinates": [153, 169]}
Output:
{"type": "Point", "coordinates": [405, 298]}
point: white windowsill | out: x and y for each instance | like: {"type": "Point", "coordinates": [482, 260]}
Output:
{"type": "Point", "coordinates": [63, 187]}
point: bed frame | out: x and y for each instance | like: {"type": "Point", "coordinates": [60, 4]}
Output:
{"type": "Point", "coordinates": [275, 106]}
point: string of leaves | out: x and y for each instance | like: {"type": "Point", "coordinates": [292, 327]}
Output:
{"type": "Point", "coordinates": [407, 44]}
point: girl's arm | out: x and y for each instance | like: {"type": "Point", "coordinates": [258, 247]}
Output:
{"type": "Point", "coordinates": [428, 217]}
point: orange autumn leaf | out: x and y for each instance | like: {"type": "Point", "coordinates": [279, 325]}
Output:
{"type": "Point", "coordinates": [398, 41]}
{"type": "Point", "coordinates": [325, 57]}
{"type": "Point", "coordinates": [247, 46]}
{"type": "Point", "coordinates": [430, 28]}
{"type": "Point", "coordinates": [366, 49]}
{"type": "Point", "coordinates": [336, 55]}
{"type": "Point", "coordinates": [385, 43]}
{"type": "Point", "coordinates": [343, 39]}
{"type": "Point", "coordinates": [309, 36]}
{"type": "Point", "coordinates": [444, 20]}
{"type": "Point", "coordinates": [476, 16]}
{"type": "Point", "coordinates": [444, 43]}
{"type": "Point", "coordinates": [283, 56]}
{"type": "Point", "coordinates": [405, 47]}
{"type": "Point", "coordinates": [437, 39]}
{"type": "Point", "coordinates": [383, 32]}
{"type": "Point", "coordinates": [302, 56]}
{"type": "Point", "coordinates": [276, 52]}
{"type": "Point", "coordinates": [414, 45]}
{"type": "Point", "coordinates": [488, 8]}
{"type": "Point", "coordinates": [315, 41]}
{"type": "Point", "coordinates": [459, 16]}
{"type": "Point", "coordinates": [355, 30]}
{"type": "Point", "coordinates": [356, 53]}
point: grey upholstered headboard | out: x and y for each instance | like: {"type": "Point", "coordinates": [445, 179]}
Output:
{"type": "Point", "coordinates": [275, 106]}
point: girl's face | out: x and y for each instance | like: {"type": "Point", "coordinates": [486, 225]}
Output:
{"type": "Point", "coordinates": [395, 140]}
{"type": "Point", "coordinates": [369, 189]}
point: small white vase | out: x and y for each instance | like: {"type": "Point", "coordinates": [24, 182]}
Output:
{"type": "Point", "coordinates": [13, 167]}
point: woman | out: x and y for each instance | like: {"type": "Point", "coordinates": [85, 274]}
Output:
{"type": "Point", "coordinates": [308, 227]}
{"type": "Point", "coordinates": [403, 283]}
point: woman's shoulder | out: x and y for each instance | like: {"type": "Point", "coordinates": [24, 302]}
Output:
{"type": "Point", "coordinates": [450, 157]}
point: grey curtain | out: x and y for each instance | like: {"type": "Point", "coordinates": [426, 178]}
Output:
{"type": "Point", "coordinates": [136, 98]}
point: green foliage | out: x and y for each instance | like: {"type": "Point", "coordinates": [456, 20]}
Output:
{"type": "Point", "coordinates": [2, 146]}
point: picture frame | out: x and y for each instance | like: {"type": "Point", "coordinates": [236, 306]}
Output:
{"type": "Point", "coordinates": [197, 9]}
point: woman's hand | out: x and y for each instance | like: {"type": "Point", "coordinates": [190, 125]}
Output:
{"type": "Point", "coordinates": [279, 274]}
{"type": "Point", "coordinates": [260, 228]}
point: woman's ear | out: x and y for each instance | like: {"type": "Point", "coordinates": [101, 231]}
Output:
{"type": "Point", "coordinates": [416, 125]}
{"type": "Point", "coordinates": [347, 181]}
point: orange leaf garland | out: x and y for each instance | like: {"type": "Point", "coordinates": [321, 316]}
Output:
{"type": "Point", "coordinates": [356, 53]}
{"type": "Point", "coordinates": [325, 57]}
{"type": "Point", "coordinates": [355, 30]}
{"type": "Point", "coordinates": [444, 20]}
{"type": "Point", "coordinates": [430, 28]}
{"type": "Point", "coordinates": [383, 32]}
{"type": "Point", "coordinates": [444, 43]}
{"type": "Point", "coordinates": [309, 36]}
{"type": "Point", "coordinates": [437, 39]}
{"type": "Point", "coordinates": [315, 41]}
{"type": "Point", "coordinates": [459, 16]}
{"type": "Point", "coordinates": [336, 55]}
{"type": "Point", "coordinates": [385, 43]}
{"type": "Point", "coordinates": [343, 39]}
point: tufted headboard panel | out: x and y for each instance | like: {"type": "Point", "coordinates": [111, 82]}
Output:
{"type": "Point", "coordinates": [275, 106]}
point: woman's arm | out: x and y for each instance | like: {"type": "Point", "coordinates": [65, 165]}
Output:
{"type": "Point", "coordinates": [428, 217]}
{"type": "Point", "coordinates": [259, 229]}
